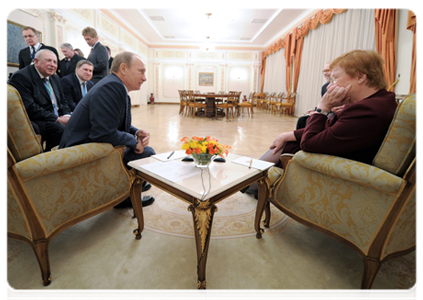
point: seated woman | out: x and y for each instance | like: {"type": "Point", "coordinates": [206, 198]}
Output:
{"type": "Point", "coordinates": [358, 130]}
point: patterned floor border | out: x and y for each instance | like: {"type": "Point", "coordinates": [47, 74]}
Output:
{"type": "Point", "coordinates": [18, 294]}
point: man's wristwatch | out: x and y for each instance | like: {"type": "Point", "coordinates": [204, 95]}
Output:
{"type": "Point", "coordinates": [321, 111]}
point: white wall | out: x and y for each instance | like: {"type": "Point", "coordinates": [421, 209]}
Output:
{"type": "Point", "coordinates": [179, 69]}
{"type": "Point", "coordinates": [404, 53]}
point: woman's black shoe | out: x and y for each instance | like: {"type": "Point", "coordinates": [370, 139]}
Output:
{"type": "Point", "coordinates": [252, 192]}
{"type": "Point", "coordinates": [145, 200]}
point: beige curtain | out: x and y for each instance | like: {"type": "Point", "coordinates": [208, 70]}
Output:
{"type": "Point", "coordinates": [411, 25]}
{"type": "Point", "coordinates": [275, 73]}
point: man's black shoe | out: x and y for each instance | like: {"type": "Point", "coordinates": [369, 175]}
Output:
{"type": "Point", "coordinates": [244, 189]}
{"type": "Point", "coordinates": [146, 186]}
{"type": "Point", "coordinates": [146, 201]}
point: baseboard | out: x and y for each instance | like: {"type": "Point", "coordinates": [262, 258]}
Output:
{"type": "Point", "coordinates": [157, 103]}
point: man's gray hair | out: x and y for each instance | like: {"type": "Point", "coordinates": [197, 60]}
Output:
{"type": "Point", "coordinates": [67, 46]}
{"type": "Point", "coordinates": [41, 52]}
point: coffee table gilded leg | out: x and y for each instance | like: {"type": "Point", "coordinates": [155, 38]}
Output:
{"type": "Point", "coordinates": [262, 204]}
{"type": "Point", "coordinates": [137, 205]}
{"type": "Point", "coordinates": [202, 213]}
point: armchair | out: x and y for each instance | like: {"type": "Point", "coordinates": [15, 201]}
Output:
{"type": "Point", "coordinates": [49, 192]}
{"type": "Point", "coordinates": [370, 208]}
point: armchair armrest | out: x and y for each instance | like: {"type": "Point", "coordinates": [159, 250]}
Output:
{"type": "Point", "coordinates": [55, 161]}
{"type": "Point", "coordinates": [350, 170]}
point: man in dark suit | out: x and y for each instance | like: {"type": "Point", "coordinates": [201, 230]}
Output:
{"type": "Point", "coordinates": [77, 84]}
{"type": "Point", "coordinates": [104, 114]}
{"type": "Point", "coordinates": [42, 96]}
{"type": "Point", "coordinates": [98, 55]}
{"type": "Point", "coordinates": [27, 55]}
{"type": "Point", "coordinates": [302, 121]}
{"type": "Point", "coordinates": [110, 56]}
{"type": "Point", "coordinates": [68, 64]}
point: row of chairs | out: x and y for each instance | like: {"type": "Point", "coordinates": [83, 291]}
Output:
{"type": "Point", "coordinates": [275, 103]}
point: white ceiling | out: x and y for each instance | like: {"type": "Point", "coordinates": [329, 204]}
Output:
{"type": "Point", "coordinates": [225, 27]}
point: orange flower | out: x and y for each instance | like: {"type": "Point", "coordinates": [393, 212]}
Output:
{"type": "Point", "coordinates": [189, 151]}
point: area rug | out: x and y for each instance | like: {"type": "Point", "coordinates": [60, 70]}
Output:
{"type": "Point", "coordinates": [100, 259]}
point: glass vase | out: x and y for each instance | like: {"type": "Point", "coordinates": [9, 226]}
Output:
{"type": "Point", "coordinates": [202, 160]}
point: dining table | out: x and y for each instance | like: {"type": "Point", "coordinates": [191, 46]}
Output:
{"type": "Point", "coordinates": [211, 99]}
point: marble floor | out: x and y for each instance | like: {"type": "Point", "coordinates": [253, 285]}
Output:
{"type": "Point", "coordinates": [247, 136]}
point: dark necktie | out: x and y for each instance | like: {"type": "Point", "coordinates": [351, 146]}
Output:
{"type": "Point", "coordinates": [50, 92]}
{"type": "Point", "coordinates": [33, 52]}
{"type": "Point", "coordinates": [128, 118]}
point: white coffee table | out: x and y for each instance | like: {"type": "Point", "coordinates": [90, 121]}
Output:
{"type": "Point", "coordinates": [226, 179]}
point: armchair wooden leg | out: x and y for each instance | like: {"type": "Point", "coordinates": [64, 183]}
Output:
{"type": "Point", "coordinates": [41, 252]}
{"type": "Point", "coordinates": [266, 221]}
{"type": "Point", "coordinates": [371, 267]}
{"type": "Point", "coordinates": [137, 206]}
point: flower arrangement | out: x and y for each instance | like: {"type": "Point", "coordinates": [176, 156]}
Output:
{"type": "Point", "coordinates": [207, 145]}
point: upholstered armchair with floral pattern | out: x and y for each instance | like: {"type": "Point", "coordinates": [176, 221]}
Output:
{"type": "Point", "coordinates": [49, 192]}
{"type": "Point", "coordinates": [370, 208]}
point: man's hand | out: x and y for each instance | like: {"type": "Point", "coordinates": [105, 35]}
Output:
{"type": "Point", "coordinates": [63, 120]}
{"type": "Point", "coordinates": [144, 137]}
{"type": "Point", "coordinates": [139, 148]}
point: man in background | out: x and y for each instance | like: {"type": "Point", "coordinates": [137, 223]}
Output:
{"type": "Point", "coordinates": [104, 115]}
{"type": "Point", "coordinates": [98, 54]}
{"type": "Point", "coordinates": [27, 55]}
{"type": "Point", "coordinates": [68, 64]}
{"type": "Point", "coordinates": [302, 121]}
{"type": "Point", "coordinates": [76, 85]}
{"type": "Point", "coordinates": [41, 92]}
{"type": "Point", "coordinates": [110, 57]}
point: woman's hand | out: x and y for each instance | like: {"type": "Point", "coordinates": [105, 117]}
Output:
{"type": "Point", "coordinates": [335, 96]}
{"type": "Point", "coordinates": [281, 140]}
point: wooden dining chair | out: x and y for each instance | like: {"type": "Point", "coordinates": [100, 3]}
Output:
{"type": "Point", "coordinates": [194, 104]}
{"type": "Point", "coordinates": [183, 106]}
{"type": "Point", "coordinates": [277, 104]}
{"type": "Point", "coordinates": [249, 104]}
{"type": "Point", "coordinates": [229, 104]}
{"type": "Point", "coordinates": [289, 104]}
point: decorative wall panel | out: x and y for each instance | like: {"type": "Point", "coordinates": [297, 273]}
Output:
{"type": "Point", "coordinates": [84, 13]}
{"type": "Point", "coordinates": [109, 26]}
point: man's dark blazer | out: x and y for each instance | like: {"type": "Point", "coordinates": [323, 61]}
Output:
{"type": "Point", "coordinates": [25, 58]}
{"type": "Point", "coordinates": [63, 71]}
{"type": "Point", "coordinates": [100, 117]}
{"type": "Point", "coordinates": [100, 59]}
{"type": "Point", "coordinates": [110, 62]}
{"type": "Point", "coordinates": [72, 90]}
{"type": "Point", "coordinates": [357, 132]}
{"type": "Point", "coordinates": [35, 96]}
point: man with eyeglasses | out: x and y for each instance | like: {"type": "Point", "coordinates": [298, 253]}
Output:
{"type": "Point", "coordinates": [27, 55]}
{"type": "Point", "coordinates": [42, 95]}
